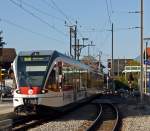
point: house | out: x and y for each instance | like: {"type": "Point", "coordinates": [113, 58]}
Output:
{"type": "Point", "coordinates": [120, 64]}
{"type": "Point", "coordinates": [7, 57]}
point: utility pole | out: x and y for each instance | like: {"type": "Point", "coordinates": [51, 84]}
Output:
{"type": "Point", "coordinates": [1, 54]}
{"type": "Point", "coordinates": [71, 31]}
{"type": "Point", "coordinates": [141, 74]}
{"type": "Point", "coordinates": [100, 53]}
{"type": "Point", "coordinates": [78, 49]}
{"type": "Point", "coordinates": [83, 39]}
{"type": "Point", "coordinates": [112, 71]}
{"type": "Point", "coordinates": [118, 66]}
{"type": "Point", "coordinates": [75, 42]}
{"type": "Point", "coordinates": [89, 48]}
{"type": "Point", "coordinates": [73, 35]}
{"type": "Point", "coordinates": [125, 67]}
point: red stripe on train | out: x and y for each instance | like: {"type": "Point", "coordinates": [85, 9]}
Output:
{"type": "Point", "coordinates": [28, 91]}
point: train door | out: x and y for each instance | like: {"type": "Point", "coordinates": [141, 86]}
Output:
{"type": "Point", "coordinates": [81, 83]}
{"type": "Point", "coordinates": [67, 82]}
{"type": "Point", "coordinates": [54, 86]}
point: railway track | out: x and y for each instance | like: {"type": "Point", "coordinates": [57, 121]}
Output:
{"type": "Point", "coordinates": [79, 119]}
{"type": "Point", "coordinates": [26, 122]}
{"type": "Point", "coordinates": [89, 117]}
{"type": "Point", "coordinates": [108, 119]}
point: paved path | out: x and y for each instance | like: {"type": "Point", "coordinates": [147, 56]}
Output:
{"type": "Point", "coordinates": [6, 107]}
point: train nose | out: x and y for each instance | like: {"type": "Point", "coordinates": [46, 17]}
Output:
{"type": "Point", "coordinates": [30, 91]}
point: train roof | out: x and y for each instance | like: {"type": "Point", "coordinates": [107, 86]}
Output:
{"type": "Point", "coordinates": [55, 54]}
{"type": "Point", "coordinates": [32, 52]}
{"type": "Point", "coordinates": [72, 61]}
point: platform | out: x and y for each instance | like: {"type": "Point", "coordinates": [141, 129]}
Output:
{"type": "Point", "coordinates": [6, 107]}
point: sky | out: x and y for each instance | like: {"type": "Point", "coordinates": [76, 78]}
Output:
{"type": "Point", "coordinates": [40, 24]}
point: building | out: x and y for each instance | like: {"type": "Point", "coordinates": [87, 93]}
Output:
{"type": "Point", "coordinates": [119, 65]}
{"type": "Point", "coordinates": [137, 68]}
{"type": "Point", "coordinates": [94, 63]}
{"type": "Point", "coordinates": [8, 56]}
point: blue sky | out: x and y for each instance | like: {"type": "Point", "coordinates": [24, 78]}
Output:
{"type": "Point", "coordinates": [50, 31]}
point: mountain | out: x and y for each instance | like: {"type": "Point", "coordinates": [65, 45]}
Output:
{"type": "Point", "coordinates": [138, 58]}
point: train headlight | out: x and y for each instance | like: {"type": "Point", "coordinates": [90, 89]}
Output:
{"type": "Point", "coordinates": [30, 91]}
{"type": "Point", "coordinates": [43, 91]}
{"type": "Point", "coordinates": [18, 91]}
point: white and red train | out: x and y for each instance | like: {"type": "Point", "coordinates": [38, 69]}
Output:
{"type": "Point", "coordinates": [46, 78]}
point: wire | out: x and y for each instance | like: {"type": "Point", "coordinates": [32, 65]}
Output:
{"type": "Point", "coordinates": [111, 6]}
{"type": "Point", "coordinates": [54, 6]}
{"type": "Point", "coordinates": [62, 12]}
{"type": "Point", "coordinates": [37, 17]}
{"type": "Point", "coordinates": [129, 28]}
{"type": "Point", "coordinates": [94, 30]}
{"type": "Point", "coordinates": [126, 12]}
{"type": "Point", "coordinates": [104, 30]}
{"type": "Point", "coordinates": [108, 13]}
{"type": "Point", "coordinates": [40, 11]}
{"type": "Point", "coordinates": [105, 39]}
{"type": "Point", "coordinates": [28, 30]}
{"type": "Point", "coordinates": [49, 4]}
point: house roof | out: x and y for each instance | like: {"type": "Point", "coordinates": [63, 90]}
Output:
{"type": "Point", "coordinates": [8, 54]}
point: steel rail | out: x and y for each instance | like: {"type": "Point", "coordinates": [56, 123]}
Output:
{"type": "Point", "coordinates": [99, 120]}
{"type": "Point", "coordinates": [96, 121]}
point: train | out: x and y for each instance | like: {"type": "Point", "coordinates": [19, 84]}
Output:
{"type": "Point", "coordinates": [49, 79]}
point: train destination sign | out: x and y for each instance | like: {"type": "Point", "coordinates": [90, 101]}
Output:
{"type": "Point", "coordinates": [27, 59]}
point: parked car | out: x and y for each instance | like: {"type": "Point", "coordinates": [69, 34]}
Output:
{"type": "Point", "coordinates": [5, 91]}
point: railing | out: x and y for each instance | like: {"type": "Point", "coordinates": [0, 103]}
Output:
{"type": "Point", "coordinates": [135, 69]}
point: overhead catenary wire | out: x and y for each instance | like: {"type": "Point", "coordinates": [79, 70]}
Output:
{"type": "Point", "coordinates": [105, 39]}
{"type": "Point", "coordinates": [111, 6]}
{"type": "Point", "coordinates": [108, 12]}
{"type": "Point", "coordinates": [37, 17]}
{"type": "Point", "coordinates": [41, 11]}
{"type": "Point", "coordinates": [53, 5]}
{"type": "Point", "coordinates": [115, 30]}
{"type": "Point", "coordinates": [28, 30]}
{"type": "Point", "coordinates": [125, 12]}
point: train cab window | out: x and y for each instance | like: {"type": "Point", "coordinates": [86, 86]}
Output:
{"type": "Point", "coordinates": [32, 70]}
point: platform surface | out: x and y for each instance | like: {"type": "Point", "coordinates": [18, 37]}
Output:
{"type": "Point", "coordinates": [6, 107]}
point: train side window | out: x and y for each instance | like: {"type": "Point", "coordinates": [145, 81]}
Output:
{"type": "Point", "coordinates": [52, 83]}
{"type": "Point", "coordinates": [67, 76]}
{"type": "Point", "coordinates": [83, 76]}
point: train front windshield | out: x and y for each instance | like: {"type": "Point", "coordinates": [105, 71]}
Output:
{"type": "Point", "coordinates": [31, 70]}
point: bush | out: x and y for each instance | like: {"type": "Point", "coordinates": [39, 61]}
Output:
{"type": "Point", "coordinates": [119, 84]}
